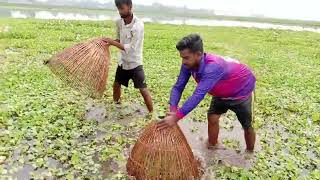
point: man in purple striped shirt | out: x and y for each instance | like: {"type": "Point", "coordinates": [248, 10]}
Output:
{"type": "Point", "coordinates": [229, 82]}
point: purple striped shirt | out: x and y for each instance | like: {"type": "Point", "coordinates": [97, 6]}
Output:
{"type": "Point", "coordinates": [219, 76]}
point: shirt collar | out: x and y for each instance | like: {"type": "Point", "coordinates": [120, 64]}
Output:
{"type": "Point", "coordinates": [132, 22]}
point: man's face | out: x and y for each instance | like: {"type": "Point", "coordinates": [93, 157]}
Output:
{"type": "Point", "coordinates": [124, 11]}
{"type": "Point", "coordinates": [190, 59]}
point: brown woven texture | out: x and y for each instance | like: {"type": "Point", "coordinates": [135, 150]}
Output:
{"type": "Point", "coordinates": [83, 66]}
{"type": "Point", "coordinates": [162, 155]}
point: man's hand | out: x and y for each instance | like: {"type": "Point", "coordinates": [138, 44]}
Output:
{"type": "Point", "coordinates": [115, 43]}
{"type": "Point", "coordinates": [108, 40]}
{"type": "Point", "coordinates": [169, 121]}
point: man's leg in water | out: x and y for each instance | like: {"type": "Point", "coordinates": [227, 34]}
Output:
{"type": "Point", "coordinates": [214, 113]}
{"type": "Point", "coordinates": [147, 98]}
{"type": "Point", "coordinates": [213, 129]}
{"type": "Point", "coordinates": [116, 92]}
{"type": "Point", "coordinates": [250, 137]}
{"type": "Point", "coordinates": [244, 112]}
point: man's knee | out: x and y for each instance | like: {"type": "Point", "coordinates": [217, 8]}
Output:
{"type": "Point", "coordinates": [144, 91]}
{"type": "Point", "coordinates": [249, 130]}
{"type": "Point", "coordinates": [116, 85]}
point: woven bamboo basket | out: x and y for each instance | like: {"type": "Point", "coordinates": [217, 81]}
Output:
{"type": "Point", "coordinates": [162, 155]}
{"type": "Point", "coordinates": [83, 66]}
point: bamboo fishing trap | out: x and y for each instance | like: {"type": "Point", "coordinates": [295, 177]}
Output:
{"type": "Point", "coordinates": [162, 155]}
{"type": "Point", "coordinates": [83, 66]}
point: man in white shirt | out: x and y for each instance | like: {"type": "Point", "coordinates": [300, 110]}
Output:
{"type": "Point", "coordinates": [130, 36]}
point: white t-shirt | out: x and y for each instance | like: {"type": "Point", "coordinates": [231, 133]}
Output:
{"type": "Point", "coordinates": [131, 36]}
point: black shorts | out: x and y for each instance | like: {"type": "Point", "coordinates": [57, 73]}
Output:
{"type": "Point", "coordinates": [137, 75]}
{"type": "Point", "coordinates": [243, 109]}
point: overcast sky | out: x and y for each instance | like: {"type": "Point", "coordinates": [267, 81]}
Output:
{"type": "Point", "coordinates": [289, 9]}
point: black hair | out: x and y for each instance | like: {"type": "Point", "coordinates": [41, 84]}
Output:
{"type": "Point", "coordinates": [121, 2]}
{"type": "Point", "coordinates": [192, 42]}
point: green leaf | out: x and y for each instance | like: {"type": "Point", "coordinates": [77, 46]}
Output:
{"type": "Point", "coordinates": [75, 159]}
{"type": "Point", "coordinates": [70, 176]}
{"type": "Point", "coordinates": [40, 162]}
{"type": "Point", "coordinates": [316, 117]}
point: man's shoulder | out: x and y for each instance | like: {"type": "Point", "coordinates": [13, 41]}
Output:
{"type": "Point", "coordinates": [138, 24]}
{"type": "Point", "coordinates": [118, 21]}
{"type": "Point", "coordinates": [138, 20]}
{"type": "Point", "coordinates": [210, 57]}
{"type": "Point", "coordinates": [213, 68]}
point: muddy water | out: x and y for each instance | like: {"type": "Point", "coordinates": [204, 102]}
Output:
{"type": "Point", "coordinates": [17, 171]}
{"type": "Point", "coordinates": [195, 132]}
{"type": "Point", "coordinates": [197, 135]}
{"type": "Point", "coordinates": [126, 114]}
{"type": "Point", "coordinates": [116, 114]}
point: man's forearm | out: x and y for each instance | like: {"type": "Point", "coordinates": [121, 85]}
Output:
{"type": "Point", "coordinates": [117, 44]}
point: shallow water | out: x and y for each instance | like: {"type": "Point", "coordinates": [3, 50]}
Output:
{"type": "Point", "coordinates": [123, 115]}
{"type": "Point", "coordinates": [43, 14]}
{"type": "Point", "coordinates": [196, 134]}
